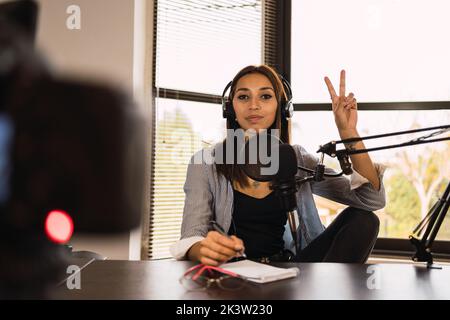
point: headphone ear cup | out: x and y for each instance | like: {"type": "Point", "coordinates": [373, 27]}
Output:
{"type": "Point", "coordinates": [289, 109]}
{"type": "Point", "coordinates": [227, 106]}
{"type": "Point", "coordinates": [288, 106]}
{"type": "Point", "coordinates": [224, 110]}
{"type": "Point", "coordinates": [228, 111]}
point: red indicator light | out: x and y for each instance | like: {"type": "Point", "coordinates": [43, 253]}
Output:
{"type": "Point", "coordinates": [59, 226]}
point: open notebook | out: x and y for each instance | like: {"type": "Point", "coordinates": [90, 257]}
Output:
{"type": "Point", "coordinates": [259, 272]}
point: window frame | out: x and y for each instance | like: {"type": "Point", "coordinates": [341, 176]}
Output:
{"type": "Point", "coordinates": [379, 106]}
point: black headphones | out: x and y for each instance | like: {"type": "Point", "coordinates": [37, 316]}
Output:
{"type": "Point", "coordinates": [287, 107]}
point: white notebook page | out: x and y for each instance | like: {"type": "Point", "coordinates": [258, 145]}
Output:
{"type": "Point", "coordinates": [259, 272]}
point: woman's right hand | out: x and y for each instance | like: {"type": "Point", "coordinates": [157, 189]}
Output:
{"type": "Point", "coordinates": [216, 249]}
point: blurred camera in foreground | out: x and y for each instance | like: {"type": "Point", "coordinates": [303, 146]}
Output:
{"type": "Point", "coordinates": [65, 146]}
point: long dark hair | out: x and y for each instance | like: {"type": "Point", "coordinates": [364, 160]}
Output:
{"type": "Point", "coordinates": [233, 171]}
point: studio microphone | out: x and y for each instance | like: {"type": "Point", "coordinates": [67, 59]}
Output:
{"type": "Point", "coordinates": [285, 187]}
{"type": "Point", "coordinates": [283, 181]}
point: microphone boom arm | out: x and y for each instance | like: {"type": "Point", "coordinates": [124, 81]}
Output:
{"type": "Point", "coordinates": [330, 148]}
{"type": "Point", "coordinates": [433, 221]}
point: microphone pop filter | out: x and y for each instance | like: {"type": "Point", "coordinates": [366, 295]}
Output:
{"type": "Point", "coordinates": [264, 152]}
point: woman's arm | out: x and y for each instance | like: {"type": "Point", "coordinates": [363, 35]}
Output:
{"type": "Point", "coordinates": [361, 162]}
{"type": "Point", "coordinates": [197, 243]}
{"type": "Point", "coordinates": [354, 192]}
{"type": "Point", "coordinates": [345, 110]}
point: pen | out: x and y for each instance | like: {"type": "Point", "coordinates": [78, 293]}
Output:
{"type": "Point", "coordinates": [217, 227]}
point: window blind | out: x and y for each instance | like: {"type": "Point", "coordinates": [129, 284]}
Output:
{"type": "Point", "coordinates": [201, 44]}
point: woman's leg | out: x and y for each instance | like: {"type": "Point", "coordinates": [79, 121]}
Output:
{"type": "Point", "coordinates": [350, 238]}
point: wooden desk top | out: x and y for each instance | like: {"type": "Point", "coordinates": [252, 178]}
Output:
{"type": "Point", "coordinates": [158, 280]}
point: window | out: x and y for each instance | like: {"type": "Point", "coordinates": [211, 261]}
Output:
{"type": "Point", "coordinates": [182, 128]}
{"type": "Point", "coordinates": [396, 57]}
{"type": "Point", "coordinates": [200, 45]}
{"type": "Point", "coordinates": [393, 50]}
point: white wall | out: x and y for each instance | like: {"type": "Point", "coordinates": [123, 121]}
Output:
{"type": "Point", "coordinates": [103, 47]}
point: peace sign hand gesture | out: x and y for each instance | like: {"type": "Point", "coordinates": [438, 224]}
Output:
{"type": "Point", "coordinates": [344, 107]}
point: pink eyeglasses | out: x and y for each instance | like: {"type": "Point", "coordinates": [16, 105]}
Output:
{"type": "Point", "coordinates": [201, 277]}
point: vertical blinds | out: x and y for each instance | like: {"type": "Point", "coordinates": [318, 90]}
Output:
{"type": "Point", "coordinates": [269, 32]}
{"type": "Point", "coordinates": [174, 143]}
{"type": "Point", "coordinates": [199, 46]}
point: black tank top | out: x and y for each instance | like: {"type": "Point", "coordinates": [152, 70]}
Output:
{"type": "Point", "coordinates": [259, 223]}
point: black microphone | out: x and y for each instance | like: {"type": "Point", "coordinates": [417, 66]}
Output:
{"type": "Point", "coordinates": [285, 187]}
{"type": "Point", "coordinates": [283, 182]}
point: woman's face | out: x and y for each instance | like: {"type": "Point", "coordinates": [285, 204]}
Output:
{"type": "Point", "coordinates": [254, 102]}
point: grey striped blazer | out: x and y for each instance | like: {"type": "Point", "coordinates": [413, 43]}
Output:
{"type": "Point", "coordinates": [210, 196]}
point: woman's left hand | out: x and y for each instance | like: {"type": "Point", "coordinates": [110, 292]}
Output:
{"type": "Point", "coordinates": [344, 107]}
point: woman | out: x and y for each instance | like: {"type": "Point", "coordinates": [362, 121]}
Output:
{"type": "Point", "coordinates": [249, 211]}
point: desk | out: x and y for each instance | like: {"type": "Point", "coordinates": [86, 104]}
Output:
{"type": "Point", "coordinates": [158, 280]}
